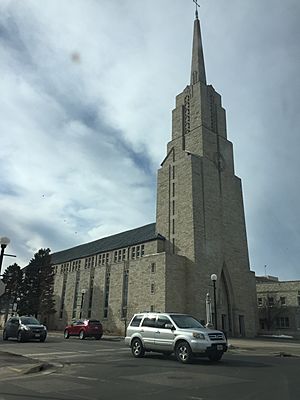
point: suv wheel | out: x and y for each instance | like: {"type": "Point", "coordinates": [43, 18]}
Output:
{"type": "Point", "coordinates": [20, 337]}
{"type": "Point", "coordinates": [5, 337]}
{"type": "Point", "coordinates": [183, 352]}
{"type": "Point", "coordinates": [66, 334]}
{"type": "Point", "coordinates": [137, 348]}
{"type": "Point", "coordinates": [81, 335]}
{"type": "Point", "coordinates": [215, 356]}
{"type": "Point", "coordinates": [98, 337]}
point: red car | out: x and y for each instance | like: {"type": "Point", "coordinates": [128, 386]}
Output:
{"type": "Point", "coordinates": [84, 328]}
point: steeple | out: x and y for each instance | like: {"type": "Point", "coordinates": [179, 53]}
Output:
{"type": "Point", "coordinates": [198, 68]}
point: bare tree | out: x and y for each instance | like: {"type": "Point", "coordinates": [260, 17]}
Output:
{"type": "Point", "coordinates": [269, 310]}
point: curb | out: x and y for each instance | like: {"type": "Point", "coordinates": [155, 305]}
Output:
{"type": "Point", "coordinates": [38, 368]}
{"type": "Point", "coordinates": [260, 352]}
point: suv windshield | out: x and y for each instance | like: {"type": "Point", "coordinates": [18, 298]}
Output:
{"type": "Point", "coordinates": [186, 321]}
{"type": "Point", "coordinates": [29, 321]}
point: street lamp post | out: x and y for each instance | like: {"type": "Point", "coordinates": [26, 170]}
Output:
{"type": "Point", "coordinates": [4, 241]}
{"type": "Point", "coordinates": [208, 311]}
{"type": "Point", "coordinates": [214, 279]}
{"type": "Point", "coordinates": [83, 292]}
{"type": "Point", "coordinates": [15, 305]}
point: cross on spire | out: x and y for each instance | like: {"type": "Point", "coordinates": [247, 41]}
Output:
{"type": "Point", "coordinates": [197, 5]}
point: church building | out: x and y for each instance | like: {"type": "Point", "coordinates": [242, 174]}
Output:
{"type": "Point", "coordinates": [199, 231]}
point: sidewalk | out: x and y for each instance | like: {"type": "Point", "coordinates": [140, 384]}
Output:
{"type": "Point", "coordinates": [264, 346]}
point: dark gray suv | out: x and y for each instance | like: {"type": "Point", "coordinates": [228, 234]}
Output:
{"type": "Point", "coordinates": [24, 328]}
{"type": "Point", "coordinates": [176, 333]}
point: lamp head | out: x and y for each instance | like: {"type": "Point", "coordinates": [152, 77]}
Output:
{"type": "Point", "coordinates": [214, 277]}
{"type": "Point", "coordinates": [4, 241]}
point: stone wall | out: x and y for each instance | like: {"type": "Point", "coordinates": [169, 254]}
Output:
{"type": "Point", "coordinates": [279, 307]}
{"type": "Point", "coordinates": [143, 272]}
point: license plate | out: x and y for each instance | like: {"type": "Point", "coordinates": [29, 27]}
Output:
{"type": "Point", "coordinates": [37, 335]}
{"type": "Point", "coordinates": [219, 347]}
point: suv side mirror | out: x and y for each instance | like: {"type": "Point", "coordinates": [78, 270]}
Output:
{"type": "Point", "coordinates": [170, 326]}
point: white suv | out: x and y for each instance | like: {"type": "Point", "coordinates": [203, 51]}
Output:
{"type": "Point", "coordinates": [171, 332]}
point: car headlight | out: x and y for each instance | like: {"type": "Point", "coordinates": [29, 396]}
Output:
{"type": "Point", "coordinates": [198, 335]}
{"type": "Point", "coordinates": [25, 328]}
{"type": "Point", "coordinates": [44, 328]}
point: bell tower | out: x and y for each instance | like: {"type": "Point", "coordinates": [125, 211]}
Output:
{"type": "Point", "coordinates": [200, 204]}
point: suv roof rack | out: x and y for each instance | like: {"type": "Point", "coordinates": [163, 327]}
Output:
{"type": "Point", "coordinates": [149, 312]}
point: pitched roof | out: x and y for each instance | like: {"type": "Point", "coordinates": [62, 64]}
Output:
{"type": "Point", "coordinates": [142, 234]}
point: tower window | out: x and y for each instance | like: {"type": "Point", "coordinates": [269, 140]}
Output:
{"type": "Point", "coordinates": [152, 288]}
{"type": "Point", "coordinates": [153, 268]}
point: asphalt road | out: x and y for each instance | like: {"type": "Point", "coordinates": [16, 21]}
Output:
{"type": "Point", "coordinates": [104, 370]}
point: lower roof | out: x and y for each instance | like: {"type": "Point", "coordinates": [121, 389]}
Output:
{"type": "Point", "coordinates": [132, 237]}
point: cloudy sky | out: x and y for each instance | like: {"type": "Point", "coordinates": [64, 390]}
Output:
{"type": "Point", "coordinates": [86, 93]}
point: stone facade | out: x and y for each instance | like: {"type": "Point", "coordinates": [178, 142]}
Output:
{"type": "Point", "coordinates": [102, 285]}
{"type": "Point", "coordinates": [199, 230]}
{"type": "Point", "coordinates": [278, 305]}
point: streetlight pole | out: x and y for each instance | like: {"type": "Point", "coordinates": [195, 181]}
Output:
{"type": "Point", "coordinates": [4, 241]}
{"type": "Point", "coordinates": [214, 279]}
{"type": "Point", "coordinates": [208, 311]}
{"type": "Point", "coordinates": [15, 305]}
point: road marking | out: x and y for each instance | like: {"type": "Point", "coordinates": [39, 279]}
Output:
{"type": "Point", "coordinates": [120, 359]}
{"type": "Point", "coordinates": [86, 378]}
{"type": "Point", "coordinates": [15, 369]}
{"type": "Point", "coordinates": [73, 352]}
{"type": "Point", "coordinates": [195, 398]}
{"type": "Point", "coordinates": [104, 350]}
{"type": "Point", "coordinates": [46, 354]}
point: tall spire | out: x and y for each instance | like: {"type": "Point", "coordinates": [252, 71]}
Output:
{"type": "Point", "coordinates": [198, 68]}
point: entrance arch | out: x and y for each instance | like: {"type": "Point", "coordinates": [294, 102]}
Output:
{"type": "Point", "coordinates": [225, 302]}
